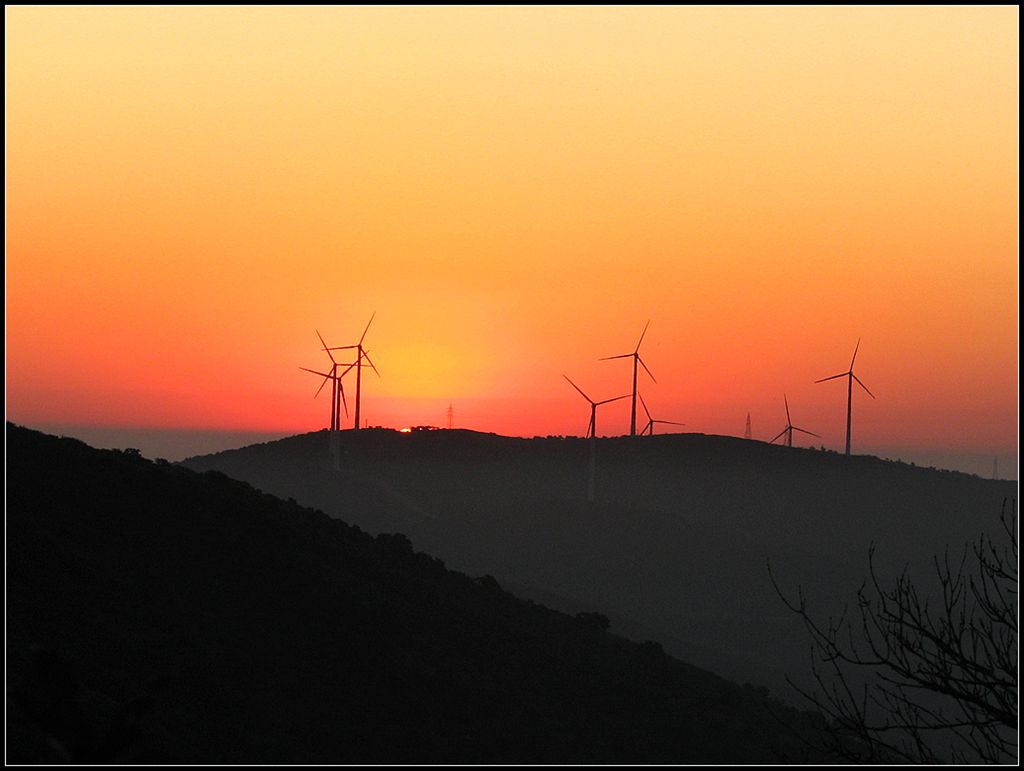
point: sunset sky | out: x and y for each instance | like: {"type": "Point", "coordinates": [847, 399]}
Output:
{"type": "Point", "coordinates": [192, 191]}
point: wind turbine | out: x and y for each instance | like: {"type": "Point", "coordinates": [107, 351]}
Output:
{"type": "Point", "coordinates": [651, 421]}
{"type": "Point", "coordinates": [362, 354]}
{"type": "Point", "coordinates": [849, 392]}
{"type": "Point", "coordinates": [337, 388]}
{"type": "Point", "coordinates": [592, 433]}
{"type": "Point", "coordinates": [636, 360]}
{"type": "Point", "coordinates": [790, 428]}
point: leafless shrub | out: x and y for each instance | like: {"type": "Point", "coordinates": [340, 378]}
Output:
{"type": "Point", "coordinates": [941, 672]}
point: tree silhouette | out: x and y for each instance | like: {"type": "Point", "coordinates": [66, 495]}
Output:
{"type": "Point", "coordinates": [941, 672]}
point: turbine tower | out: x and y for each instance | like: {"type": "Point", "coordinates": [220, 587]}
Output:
{"type": "Point", "coordinates": [362, 353]}
{"type": "Point", "coordinates": [592, 433]}
{"type": "Point", "coordinates": [649, 428]}
{"type": "Point", "coordinates": [636, 361]}
{"type": "Point", "coordinates": [849, 392]}
{"type": "Point", "coordinates": [746, 431]}
{"type": "Point", "coordinates": [790, 428]}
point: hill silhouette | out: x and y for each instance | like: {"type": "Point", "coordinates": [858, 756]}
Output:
{"type": "Point", "coordinates": [677, 543]}
{"type": "Point", "coordinates": [157, 614]}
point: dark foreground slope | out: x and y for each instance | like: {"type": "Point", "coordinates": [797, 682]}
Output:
{"type": "Point", "coordinates": [677, 544]}
{"type": "Point", "coordinates": [155, 613]}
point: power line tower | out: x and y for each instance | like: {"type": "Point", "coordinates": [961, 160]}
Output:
{"type": "Point", "coordinates": [451, 417]}
{"type": "Point", "coordinates": [746, 433]}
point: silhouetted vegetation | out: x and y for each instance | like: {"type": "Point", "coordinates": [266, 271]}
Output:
{"type": "Point", "coordinates": [942, 676]}
{"type": "Point", "coordinates": [675, 545]}
{"type": "Point", "coordinates": [156, 614]}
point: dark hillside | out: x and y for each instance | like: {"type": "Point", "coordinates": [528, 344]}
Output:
{"type": "Point", "coordinates": [158, 614]}
{"type": "Point", "coordinates": [677, 542]}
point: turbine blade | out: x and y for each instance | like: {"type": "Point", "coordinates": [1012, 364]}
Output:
{"type": "Point", "coordinates": [620, 356]}
{"type": "Point", "coordinates": [324, 344]}
{"type": "Point", "coordinates": [644, 366]}
{"type": "Point", "coordinates": [805, 431]}
{"type": "Point", "coordinates": [367, 328]}
{"type": "Point", "coordinates": [642, 336]}
{"type": "Point", "coordinates": [340, 347]}
{"type": "Point", "coordinates": [613, 400]}
{"type": "Point", "coordinates": [578, 389]}
{"type": "Point", "coordinates": [321, 374]}
{"type": "Point", "coordinates": [344, 403]}
{"type": "Point", "coordinates": [644, 405]}
{"type": "Point", "coordinates": [648, 428]}
{"type": "Point", "coordinates": [789, 420]}
{"type": "Point", "coordinates": [670, 422]}
{"type": "Point", "coordinates": [854, 354]}
{"type": "Point", "coordinates": [348, 369]}
{"type": "Point", "coordinates": [781, 433]}
{"type": "Point", "coordinates": [864, 386]}
{"type": "Point", "coordinates": [366, 354]}
{"type": "Point", "coordinates": [322, 384]}
{"type": "Point", "coordinates": [841, 374]}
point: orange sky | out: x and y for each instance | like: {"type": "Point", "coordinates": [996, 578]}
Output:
{"type": "Point", "coordinates": [515, 192]}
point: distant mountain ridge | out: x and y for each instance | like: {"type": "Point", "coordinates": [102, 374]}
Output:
{"type": "Point", "coordinates": [156, 614]}
{"type": "Point", "coordinates": [678, 541]}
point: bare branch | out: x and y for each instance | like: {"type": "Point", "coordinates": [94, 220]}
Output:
{"type": "Point", "coordinates": [939, 675]}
